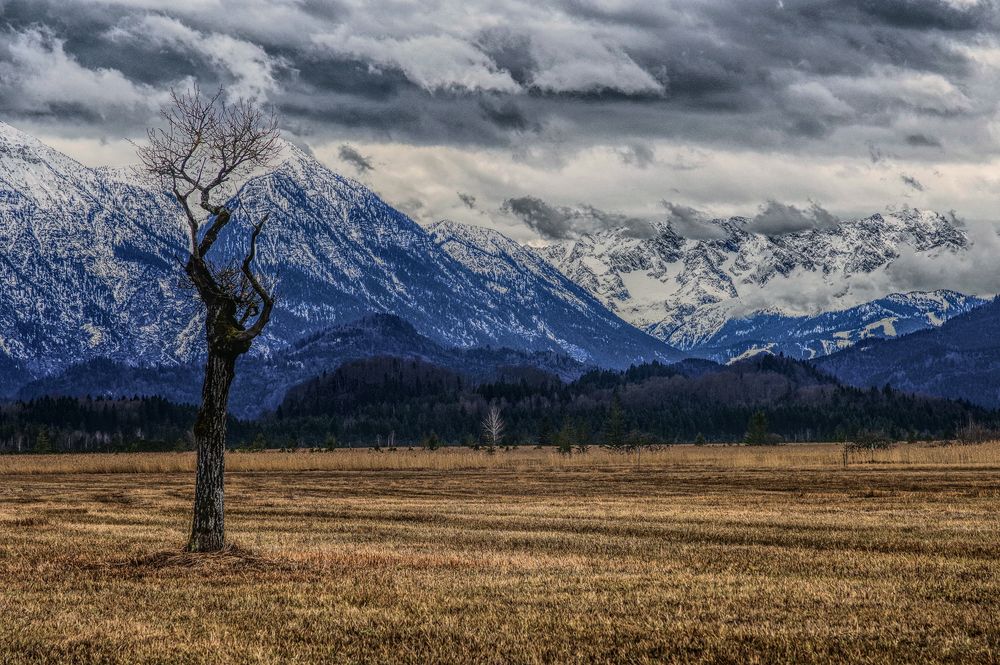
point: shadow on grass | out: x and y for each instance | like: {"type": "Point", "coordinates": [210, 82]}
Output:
{"type": "Point", "coordinates": [232, 559]}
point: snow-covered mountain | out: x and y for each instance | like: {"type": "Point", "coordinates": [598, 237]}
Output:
{"type": "Point", "coordinates": [521, 277]}
{"type": "Point", "coordinates": [88, 269]}
{"type": "Point", "coordinates": [685, 290]}
{"type": "Point", "coordinates": [86, 262]}
{"type": "Point", "coordinates": [807, 337]}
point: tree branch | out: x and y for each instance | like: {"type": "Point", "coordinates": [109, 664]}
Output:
{"type": "Point", "coordinates": [204, 143]}
{"type": "Point", "coordinates": [266, 298]}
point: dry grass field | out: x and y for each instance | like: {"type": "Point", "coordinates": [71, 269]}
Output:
{"type": "Point", "coordinates": [714, 554]}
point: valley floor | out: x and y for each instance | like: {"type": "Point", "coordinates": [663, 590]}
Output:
{"type": "Point", "coordinates": [691, 554]}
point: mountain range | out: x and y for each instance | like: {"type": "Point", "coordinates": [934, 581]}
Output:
{"type": "Point", "coordinates": [958, 360]}
{"type": "Point", "coordinates": [808, 337]}
{"type": "Point", "coordinates": [92, 300]}
{"type": "Point", "coordinates": [89, 267]}
{"type": "Point", "coordinates": [684, 291]}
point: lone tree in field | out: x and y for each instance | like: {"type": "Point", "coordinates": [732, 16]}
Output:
{"type": "Point", "coordinates": [206, 143]}
{"type": "Point", "coordinates": [493, 427]}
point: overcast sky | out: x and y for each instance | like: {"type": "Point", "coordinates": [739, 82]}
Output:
{"type": "Point", "coordinates": [549, 118]}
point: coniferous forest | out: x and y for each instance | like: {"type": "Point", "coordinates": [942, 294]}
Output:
{"type": "Point", "coordinates": [763, 400]}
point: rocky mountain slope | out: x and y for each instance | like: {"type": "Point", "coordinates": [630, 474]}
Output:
{"type": "Point", "coordinates": [684, 291]}
{"type": "Point", "coordinates": [89, 269]}
{"type": "Point", "coordinates": [807, 337]}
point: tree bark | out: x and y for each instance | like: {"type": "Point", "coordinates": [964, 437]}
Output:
{"type": "Point", "coordinates": [208, 529]}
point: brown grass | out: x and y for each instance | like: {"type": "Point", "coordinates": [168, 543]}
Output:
{"type": "Point", "coordinates": [700, 554]}
{"type": "Point", "coordinates": [521, 459]}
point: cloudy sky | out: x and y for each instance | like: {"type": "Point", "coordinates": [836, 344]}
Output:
{"type": "Point", "coordinates": [545, 119]}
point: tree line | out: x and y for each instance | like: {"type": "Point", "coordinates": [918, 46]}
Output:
{"type": "Point", "coordinates": [414, 403]}
{"type": "Point", "coordinates": [764, 400]}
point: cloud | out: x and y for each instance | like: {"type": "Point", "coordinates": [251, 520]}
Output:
{"type": "Point", "coordinates": [812, 98]}
{"type": "Point", "coordinates": [433, 62]}
{"type": "Point", "coordinates": [550, 222]}
{"type": "Point", "coordinates": [251, 68]}
{"type": "Point", "coordinates": [690, 223]}
{"type": "Point", "coordinates": [468, 200]}
{"type": "Point", "coordinates": [603, 105]}
{"type": "Point", "coordinates": [920, 140]}
{"type": "Point", "coordinates": [920, 271]}
{"type": "Point", "coordinates": [573, 73]}
{"type": "Point", "coordinates": [504, 114]}
{"type": "Point", "coordinates": [574, 61]}
{"type": "Point", "coordinates": [916, 90]}
{"type": "Point", "coordinates": [354, 158]}
{"type": "Point", "coordinates": [565, 222]}
{"type": "Point", "coordinates": [911, 182]}
{"type": "Point", "coordinates": [638, 155]}
{"type": "Point", "coordinates": [775, 218]}
{"type": "Point", "coordinates": [39, 76]}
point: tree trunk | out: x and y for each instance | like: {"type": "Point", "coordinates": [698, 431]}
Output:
{"type": "Point", "coordinates": [208, 529]}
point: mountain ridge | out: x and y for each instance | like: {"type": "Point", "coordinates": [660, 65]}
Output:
{"type": "Point", "coordinates": [89, 260]}
{"type": "Point", "coordinates": [809, 337]}
{"type": "Point", "coordinates": [959, 360]}
{"type": "Point", "coordinates": [683, 290]}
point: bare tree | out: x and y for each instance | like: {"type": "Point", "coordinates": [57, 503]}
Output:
{"type": "Point", "coordinates": [206, 143]}
{"type": "Point", "coordinates": [493, 427]}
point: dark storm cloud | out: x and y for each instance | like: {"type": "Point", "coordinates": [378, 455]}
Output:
{"type": "Point", "coordinates": [776, 218]}
{"type": "Point", "coordinates": [564, 222]}
{"type": "Point", "coordinates": [661, 87]}
{"type": "Point", "coordinates": [922, 141]}
{"type": "Point", "coordinates": [937, 15]}
{"type": "Point", "coordinates": [510, 50]}
{"type": "Point", "coordinates": [688, 222]}
{"type": "Point", "coordinates": [911, 182]}
{"type": "Point", "coordinates": [504, 113]}
{"type": "Point", "coordinates": [355, 158]}
{"type": "Point", "coordinates": [801, 69]}
{"type": "Point", "coordinates": [550, 222]}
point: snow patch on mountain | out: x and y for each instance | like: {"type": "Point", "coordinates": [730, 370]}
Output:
{"type": "Point", "coordinates": [90, 268]}
{"type": "Point", "coordinates": [807, 337]}
{"type": "Point", "coordinates": [683, 290]}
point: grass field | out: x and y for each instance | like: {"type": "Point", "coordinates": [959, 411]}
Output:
{"type": "Point", "coordinates": [690, 554]}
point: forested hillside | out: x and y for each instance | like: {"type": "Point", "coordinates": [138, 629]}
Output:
{"type": "Point", "coordinates": [652, 403]}
{"type": "Point", "coordinates": [959, 360]}
{"type": "Point", "coordinates": [415, 402]}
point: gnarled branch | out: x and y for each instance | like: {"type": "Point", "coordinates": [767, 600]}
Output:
{"type": "Point", "coordinates": [204, 143]}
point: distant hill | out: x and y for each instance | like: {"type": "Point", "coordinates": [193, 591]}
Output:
{"type": "Point", "coordinates": [368, 398]}
{"type": "Point", "coordinates": [959, 360]}
{"type": "Point", "coordinates": [261, 383]}
{"type": "Point", "coordinates": [807, 337]}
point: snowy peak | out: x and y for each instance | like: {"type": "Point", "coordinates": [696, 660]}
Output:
{"type": "Point", "coordinates": [683, 290]}
{"type": "Point", "coordinates": [88, 269]}
{"type": "Point", "coordinates": [523, 277]}
{"type": "Point", "coordinates": [483, 249]}
{"type": "Point", "coordinates": [346, 252]}
{"type": "Point", "coordinates": [31, 173]}
{"type": "Point", "coordinates": [807, 337]}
